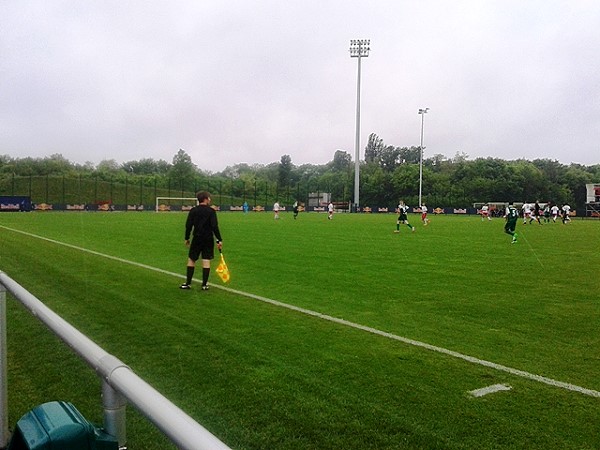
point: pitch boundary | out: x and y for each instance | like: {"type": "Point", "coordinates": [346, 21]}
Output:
{"type": "Point", "coordinates": [357, 326]}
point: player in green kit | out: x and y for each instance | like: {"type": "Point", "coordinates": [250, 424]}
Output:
{"type": "Point", "coordinates": [512, 215]}
{"type": "Point", "coordinates": [402, 217]}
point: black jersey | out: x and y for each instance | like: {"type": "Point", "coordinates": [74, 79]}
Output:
{"type": "Point", "coordinates": [203, 220]}
{"type": "Point", "coordinates": [402, 209]}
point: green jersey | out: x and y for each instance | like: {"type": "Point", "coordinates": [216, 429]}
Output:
{"type": "Point", "coordinates": [512, 214]}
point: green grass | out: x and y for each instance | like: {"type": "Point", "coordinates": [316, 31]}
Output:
{"type": "Point", "coordinates": [266, 377]}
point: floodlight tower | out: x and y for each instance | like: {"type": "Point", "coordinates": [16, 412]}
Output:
{"type": "Point", "coordinates": [422, 112]}
{"type": "Point", "coordinates": [359, 48]}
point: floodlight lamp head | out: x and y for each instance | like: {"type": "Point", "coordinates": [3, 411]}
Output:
{"type": "Point", "coordinates": [359, 47]}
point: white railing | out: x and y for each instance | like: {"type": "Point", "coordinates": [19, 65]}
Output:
{"type": "Point", "coordinates": [119, 383]}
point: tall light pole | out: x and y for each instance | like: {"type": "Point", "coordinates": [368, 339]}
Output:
{"type": "Point", "coordinates": [422, 112]}
{"type": "Point", "coordinates": [359, 48]}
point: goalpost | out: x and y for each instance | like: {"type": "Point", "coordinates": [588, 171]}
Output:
{"type": "Point", "coordinates": [163, 204]}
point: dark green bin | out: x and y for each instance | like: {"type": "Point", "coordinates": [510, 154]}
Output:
{"type": "Point", "coordinates": [58, 426]}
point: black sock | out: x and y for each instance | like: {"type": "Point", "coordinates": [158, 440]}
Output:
{"type": "Point", "coordinates": [205, 273]}
{"type": "Point", "coordinates": [189, 275]}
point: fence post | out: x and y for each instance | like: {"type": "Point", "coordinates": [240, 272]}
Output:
{"type": "Point", "coordinates": [114, 405]}
{"type": "Point", "coordinates": [4, 434]}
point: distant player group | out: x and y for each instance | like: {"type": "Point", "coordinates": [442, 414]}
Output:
{"type": "Point", "coordinates": [532, 213]}
{"type": "Point", "coordinates": [296, 208]}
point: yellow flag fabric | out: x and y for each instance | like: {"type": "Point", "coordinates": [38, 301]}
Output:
{"type": "Point", "coordinates": [222, 270]}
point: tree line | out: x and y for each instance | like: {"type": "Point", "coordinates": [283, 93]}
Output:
{"type": "Point", "coordinates": [387, 174]}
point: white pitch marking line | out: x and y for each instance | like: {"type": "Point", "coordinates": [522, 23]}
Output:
{"type": "Point", "coordinates": [471, 359]}
{"type": "Point", "coordinates": [490, 390]}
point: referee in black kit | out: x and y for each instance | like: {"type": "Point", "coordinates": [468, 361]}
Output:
{"type": "Point", "coordinates": [203, 220]}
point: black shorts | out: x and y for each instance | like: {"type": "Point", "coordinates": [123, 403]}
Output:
{"type": "Point", "coordinates": [204, 248]}
{"type": "Point", "coordinates": [510, 225]}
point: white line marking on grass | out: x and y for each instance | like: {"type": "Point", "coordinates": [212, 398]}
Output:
{"type": "Point", "coordinates": [308, 312]}
{"type": "Point", "coordinates": [532, 250]}
{"type": "Point", "coordinates": [490, 390]}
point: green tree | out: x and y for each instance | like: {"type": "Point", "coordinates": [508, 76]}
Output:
{"type": "Point", "coordinates": [341, 161]}
{"type": "Point", "coordinates": [183, 170]}
{"type": "Point", "coordinates": [575, 179]}
{"type": "Point", "coordinates": [531, 181]}
{"type": "Point", "coordinates": [56, 164]}
{"type": "Point", "coordinates": [108, 166]}
{"type": "Point", "coordinates": [405, 183]}
{"type": "Point", "coordinates": [436, 160]}
{"type": "Point", "coordinates": [551, 169]}
{"type": "Point", "coordinates": [389, 158]}
{"type": "Point", "coordinates": [376, 186]}
{"type": "Point", "coordinates": [410, 155]}
{"type": "Point", "coordinates": [436, 187]}
{"type": "Point", "coordinates": [146, 166]}
{"type": "Point", "coordinates": [285, 170]}
{"type": "Point", "coordinates": [373, 148]}
{"type": "Point", "coordinates": [6, 164]}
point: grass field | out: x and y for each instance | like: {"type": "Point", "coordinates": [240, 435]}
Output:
{"type": "Point", "coordinates": [260, 375]}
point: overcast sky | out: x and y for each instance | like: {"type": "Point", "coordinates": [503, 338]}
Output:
{"type": "Point", "coordinates": [249, 81]}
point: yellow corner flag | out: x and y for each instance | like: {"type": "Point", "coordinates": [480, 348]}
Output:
{"type": "Point", "coordinates": [222, 270]}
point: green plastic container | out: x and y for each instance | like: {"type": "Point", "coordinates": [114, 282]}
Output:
{"type": "Point", "coordinates": [59, 426]}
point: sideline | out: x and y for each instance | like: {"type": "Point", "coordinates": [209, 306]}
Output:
{"type": "Point", "coordinates": [444, 351]}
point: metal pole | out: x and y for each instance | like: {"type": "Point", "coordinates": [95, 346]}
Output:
{"type": "Point", "coordinates": [357, 142]}
{"type": "Point", "coordinates": [422, 112]}
{"type": "Point", "coordinates": [4, 433]}
{"type": "Point", "coordinates": [114, 405]}
{"type": "Point", "coordinates": [358, 49]}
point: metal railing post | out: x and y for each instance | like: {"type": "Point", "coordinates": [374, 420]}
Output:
{"type": "Point", "coordinates": [114, 405]}
{"type": "Point", "coordinates": [4, 433]}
